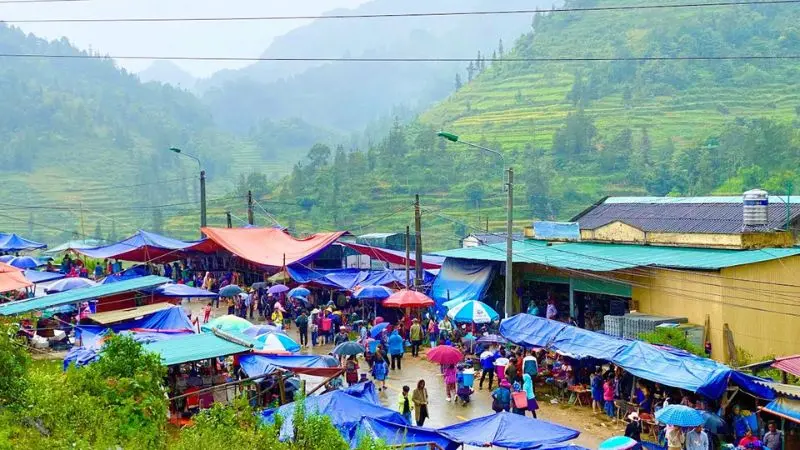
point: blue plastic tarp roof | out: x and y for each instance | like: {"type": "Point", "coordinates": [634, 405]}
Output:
{"type": "Point", "coordinates": [170, 319]}
{"type": "Point", "coordinates": [15, 243]}
{"type": "Point", "coordinates": [461, 280]}
{"type": "Point", "coordinates": [254, 364]}
{"type": "Point", "coordinates": [365, 391]}
{"type": "Point", "coordinates": [182, 290]}
{"type": "Point", "coordinates": [394, 434]}
{"type": "Point", "coordinates": [127, 274]}
{"type": "Point", "coordinates": [35, 276]}
{"type": "Point", "coordinates": [90, 351]}
{"type": "Point", "coordinates": [784, 407]}
{"type": "Point", "coordinates": [344, 410]}
{"type": "Point", "coordinates": [670, 367]}
{"type": "Point", "coordinates": [142, 246]}
{"type": "Point", "coordinates": [348, 279]}
{"type": "Point", "coordinates": [508, 430]}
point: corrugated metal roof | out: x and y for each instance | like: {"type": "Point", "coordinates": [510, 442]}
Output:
{"type": "Point", "coordinates": [129, 313]}
{"type": "Point", "coordinates": [196, 347]}
{"type": "Point", "coordinates": [607, 257]}
{"type": "Point", "coordinates": [777, 199]}
{"type": "Point", "coordinates": [493, 238]}
{"type": "Point", "coordinates": [783, 389]}
{"type": "Point", "coordinates": [680, 217]}
{"type": "Point", "coordinates": [80, 295]}
{"type": "Point", "coordinates": [790, 364]}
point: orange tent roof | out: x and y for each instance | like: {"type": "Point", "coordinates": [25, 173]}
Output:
{"type": "Point", "coordinates": [11, 278]}
{"type": "Point", "coordinates": [266, 246]}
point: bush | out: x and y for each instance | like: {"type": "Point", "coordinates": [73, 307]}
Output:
{"type": "Point", "coordinates": [672, 337]}
{"type": "Point", "coordinates": [14, 364]}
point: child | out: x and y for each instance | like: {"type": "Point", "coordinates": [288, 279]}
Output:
{"type": "Point", "coordinates": [608, 396]}
{"type": "Point", "coordinates": [314, 332]}
{"type": "Point", "coordinates": [380, 370]}
{"type": "Point", "coordinates": [351, 371]}
{"type": "Point", "coordinates": [450, 377]}
{"type": "Point", "coordinates": [462, 390]}
{"type": "Point", "coordinates": [206, 312]}
{"type": "Point", "coordinates": [405, 405]}
{"type": "Point", "coordinates": [501, 397]}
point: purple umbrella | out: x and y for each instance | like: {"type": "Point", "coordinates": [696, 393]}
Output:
{"type": "Point", "coordinates": [492, 339]}
{"type": "Point", "coordinates": [277, 289]}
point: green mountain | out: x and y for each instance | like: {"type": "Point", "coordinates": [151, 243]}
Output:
{"type": "Point", "coordinates": [576, 131]}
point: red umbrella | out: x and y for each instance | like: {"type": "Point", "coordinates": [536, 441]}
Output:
{"type": "Point", "coordinates": [408, 299]}
{"type": "Point", "coordinates": [444, 354]}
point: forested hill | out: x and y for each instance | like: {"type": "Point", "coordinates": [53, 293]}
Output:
{"type": "Point", "coordinates": [578, 131]}
{"type": "Point", "coordinates": [84, 144]}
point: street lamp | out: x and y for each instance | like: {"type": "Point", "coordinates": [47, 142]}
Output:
{"type": "Point", "coordinates": [202, 184]}
{"type": "Point", "coordinates": [509, 216]}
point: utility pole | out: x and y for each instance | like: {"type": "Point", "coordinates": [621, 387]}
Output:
{"type": "Point", "coordinates": [418, 242]}
{"type": "Point", "coordinates": [509, 303]}
{"type": "Point", "coordinates": [250, 207]}
{"type": "Point", "coordinates": [408, 256]}
{"type": "Point", "coordinates": [202, 198]}
{"type": "Point", "coordinates": [228, 217]}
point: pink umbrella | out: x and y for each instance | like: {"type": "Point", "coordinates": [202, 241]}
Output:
{"type": "Point", "coordinates": [445, 355]}
{"type": "Point", "coordinates": [408, 299]}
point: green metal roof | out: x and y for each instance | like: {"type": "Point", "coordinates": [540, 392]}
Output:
{"type": "Point", "coordinates": [80, 295]}
{"type": "Point", "coordinates": [607, 257]}
{"type": "Point", "coordinates": [196, 347]}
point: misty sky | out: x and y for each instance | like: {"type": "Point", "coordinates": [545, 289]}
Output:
{"type": "Point", "coordinates": [248, 38]}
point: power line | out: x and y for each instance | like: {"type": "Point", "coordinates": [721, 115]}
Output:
{"type": "Point", "coordinates": [110, 188]}
{"type": "Point", "coordinates": [391, 60]}
{"type": "Point", "coordinates": [396, 15]}
{"type": "Point", "coordinates": [22, 2]}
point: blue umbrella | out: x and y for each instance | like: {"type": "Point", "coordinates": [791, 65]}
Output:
{"type": "Point", "coordinates": [372, 292]}
{"type": "Point", "coordinates": [348, 348]}
{"type": "Point", "coordinates": [6, 258]}
{"type": "Point", "coordinates": [378, 329]}
{"type": "Point", "coordinates": [617, 443]}
{"type": "Point", "coordinates": [230, 290]}
{"type": "Point", "coordinates": [24, 262]}
{"type": "Point", "coordinates": [68, 284]}
{"type": "Point", "coordinates": [492, 339]}
{"type": "Point", "coordinates": [277, 343]}
{"type": "Point", "coordinates": [258, 330]}
{"type": "Point", "coordinates": [299, 292]}
{"type": "Point", "coordinates": [680, 416]}
{"type": "Point", "coordinates": [474, 312]}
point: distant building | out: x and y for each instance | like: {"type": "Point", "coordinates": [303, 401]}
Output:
{"type": "Point", "coordinates": [476, 239]}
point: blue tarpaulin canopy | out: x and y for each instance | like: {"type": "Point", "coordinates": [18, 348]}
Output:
{"type": "Point", "coordinates": [182, 290]}
{"type": "Point", "coordinates": [254, 364]}
{"type": "Point", "coordinates": [508, 430]}
{"type": "Point", "coordinates": [15, 243]}
{"type": "Point", "coordinates": [461, 280]}
{"type": "Point", "coordinates": [143, 246]}
{"type": "Point", "coordinates": [349, 279]}
{"type": "Point", "coordinates": [344, 410]}
{"type": "Point", "coordinates": [35, 276]}
{"type": "Point", "coordinates": [786, 408]}
{"type": "Point", "coordinates": [670, 367]}
{"type": "Point", "coordinates": [394, 434]}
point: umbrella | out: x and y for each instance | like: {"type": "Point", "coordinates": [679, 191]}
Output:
{"type": "Point", "coordinates": [408, 299]}
{"type": "Point", "coordinates": [378, 320]}
{"type": "Point", "coordinates": [348, 348]}
{"type": "Point", "coordinates": [372, 292]}
{"type": "Point", "coordinates": [299, 292]}
{"type": "Point", "coordinates": [24, 262]}
{"type": "Point", "coordinates": [277, 289]}
{"type": "Point", "coordinates": [258, 330]}
{"type": "Point", "coordinates": [276, 342]}
{"type": "Point", "coordinates": [304, 301]}
{"type": "Point", "coordinates": [280, 277]}
{"type": "Point", "coordinates": [259, 285]}
{"type": "Point", "coordinates": [474, 312]}
{"type": "Point", "coordinates": [468, 338]}
{"type": "Point", "coordinates": [444, 354]}
{"type": "Point", "coordinates": [68, 284]}
{"type": "Point", "coordinates": [6, 258]}
{"type": "Point", "coordinates": [378, 329]}
{"type": "Point", "coordinates": [230, 290]}
{"type": "Point", "coordinates": [330, 361]}
{"type": "Point", "coordinates": [228, 322]}
{"type": "Point", "coordinates": [617, 443]}
{"type": "Point", "coordinates": [492, 339]}
{"type": "Point", "coordinates": [714, 423]}
{"type": "Point", "coordinates": [679, 415]}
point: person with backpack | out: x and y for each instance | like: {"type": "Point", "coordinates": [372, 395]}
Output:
{"type": "Point", "coordinates": [302, 328]}
{"type": "Point", "coordinates": [501, 397]}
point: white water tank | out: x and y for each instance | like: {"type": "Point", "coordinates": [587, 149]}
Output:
{"type": "Point", "coordinates": [756, 208]}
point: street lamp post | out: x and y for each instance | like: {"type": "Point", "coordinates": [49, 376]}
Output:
{"type": "Point", "coordinates": [202, 185]}
{"type": "Point", "coordinates": [509, 184]}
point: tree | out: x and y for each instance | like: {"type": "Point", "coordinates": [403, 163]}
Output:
{"type": "Point", "coordinates": [98, 231]}
{"type": "Point", "coordinates": [158, 221]}
{"type": "Point", "coordinates": [318, 156]}
{"type": "Point", "coordinates": [458, 81]}
{"type": "Point", "coordinates": [475, 192]}
{"type": "Point", "coordinates": [471, 72]}
{"type": "Point", "coordinates": [500, 49]}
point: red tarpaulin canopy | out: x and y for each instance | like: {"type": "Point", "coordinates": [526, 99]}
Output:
{"type": "Point", "coordinates": [266, 246]}
{"type": "Point", "coordinates": [395, 257]}
{"type": "Point", "coordinates": [11, 278]}
{"type": "Point", "coordinates": [408, 299]}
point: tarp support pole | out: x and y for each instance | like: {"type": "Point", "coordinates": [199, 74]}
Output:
{"type": "Point", "coordinates": [571, 298]}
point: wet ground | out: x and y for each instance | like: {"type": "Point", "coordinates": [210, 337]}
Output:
{"type": "Point", "coordinates": [594, 428]}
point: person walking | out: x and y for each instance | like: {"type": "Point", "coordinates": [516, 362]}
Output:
{"type": "Point", "coordinates": [206, 312]}
{"type": "Point", "coordinates": [396, 349]}
{"type": "Point", "coordinates": [450, 377]}
{"type": "Point", "coordinates": [302, 328]}
{"type": "Point", "coordinates": [675, 438]}
{"type": "Point", "coordinates": [415, 334]}
{"type": "Point", "coordinates": [351, 371]}
{"type": "Point", "coordinates": [527, 386]}
{"type": "Point", "coordinates": [420, 399]}
{"type": "Point", "coordinates": [404, 404]}
{"type": "Point", "coordinates": [697, 439]}
{"type": "Point", "coordinates": [379, 371]}
{"type": "Point", "coordinates": [433, 332]}
{"type": "Point", "coordinates": [487, 368]}
{"type": "Point", "coordinates": [340, 337]}
{"type": "Point", "coordinates": [596, 382]}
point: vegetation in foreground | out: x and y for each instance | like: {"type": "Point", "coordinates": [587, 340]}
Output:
{"type": "Point", "coordinates": [120, 402]}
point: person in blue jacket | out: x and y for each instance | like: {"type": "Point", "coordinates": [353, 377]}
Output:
{"type": "Point", "coordinates": [487, 367]}
{"type": "Point", "coordinates": [395, 344]}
